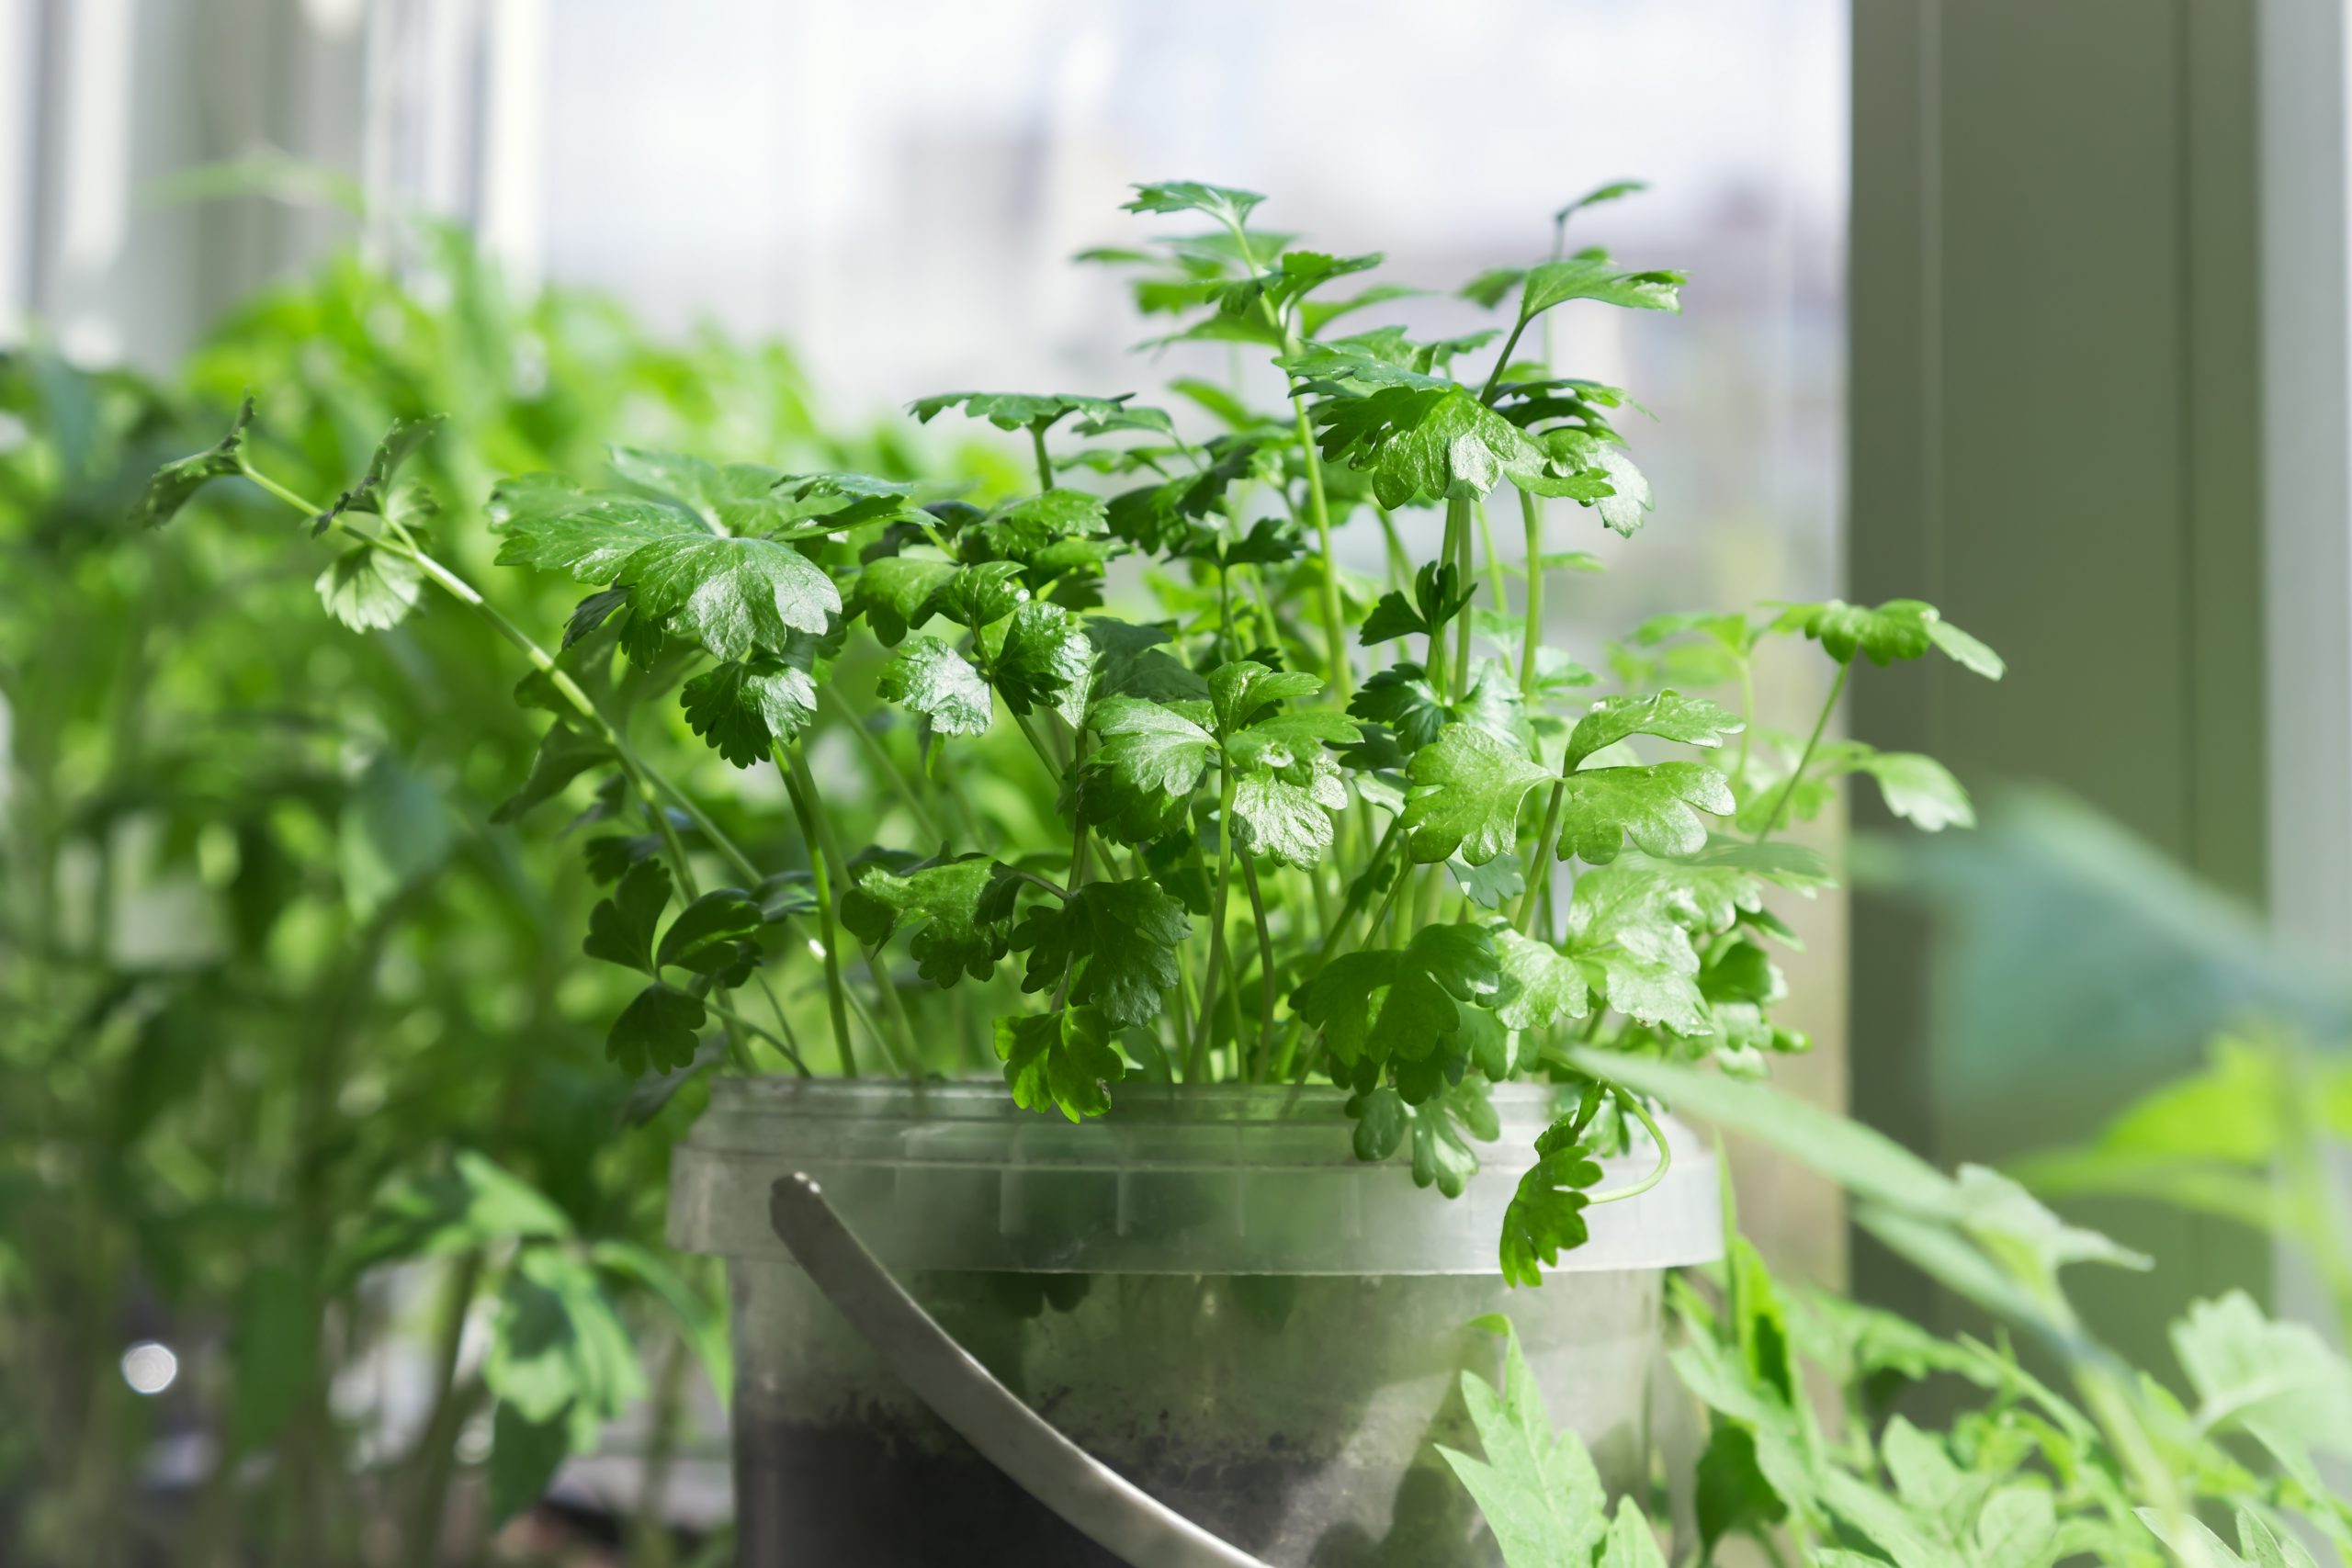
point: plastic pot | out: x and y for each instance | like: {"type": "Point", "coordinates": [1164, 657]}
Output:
{"type": "Point", "coordinates": [1206, 1289]}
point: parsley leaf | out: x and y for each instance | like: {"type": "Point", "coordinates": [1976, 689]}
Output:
{"type": "Point", "coordinates": [1668, 714]}
{"type": "Point", "coordinates": [1583, 278]}
{"type": "Point", "coordinates": [1016, 411]}
{"type": "Point", "coordinates": [966, 920]}
{"type": "Point", "coordinates": [1467, 788]}
{"type": "Point", "coordinates": [1224, 203]}
{"type": "Point", "coordinates": [621, 928]}
{"type": "Point", "coordinates": [1382, 1004]}
{"type": "Point", "coordinates": [170, 487]}
{"type": "Point", "coordinates": [372, 495]}
{"type": "Point", "coordinates": [733, 595]}
{"type": "Point", "coordinates": [930, 678]}
{"type": "Point", "coordinates": [1656, 805]}
{"type": "Point", "coordinates": [1437, 597]}
{"type": "Point", "coordinates": [656, 1033]}
{"type": "Point", "coordinates": [744, 707]}
{"type": "Point", "coordinates": [1545, 1215]}
{"type": "Point", "coordinates": [369, 589]}
{"type": "Point", "coordinates": [1540, 985]}
{"type": "Point", "coordinates": [1898, 630]}
{"type": "Point", "coordinates": [1116, 942]}
{"type": "Point", "coordinates": [544, 521]}
{"type": "Point", "coordinates": [1060, 1060]}
{"type": "Point", "coordinates": [1045, 660]}
{"type": "Point", "coordinates": [1425, 443]}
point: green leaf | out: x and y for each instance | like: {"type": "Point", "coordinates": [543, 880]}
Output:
{"type": "Point", "coordinates": [556, 1345]}
{"type": "Point", "coordinates": [1540, 1496]}
{"type": "Point", "coordinates": [1918, 789]}
{"type": "Point", "coordinates": [1669, 716]}
{"type": "Point", "coordinates": [621, 928]}
{"type": "Point", "coordinates": [735, 596]}
{"type": "Point", "coordinates": [1898, 630]}
{"type": "Point", "coordinates": [1468, 786]}
{"type": "Point", "coordinates": [963, 931]}
{"type": "Point", "coordinates": [1401, 697]}
{"type": "Point", "coordinates": [373, 493]}
{"type": "Point", "coordinates": [1384, 1003]}
{"type": "Point", "coordinates": [2017, 1528]}
{"type": "Point", "coordinates": [1242, 692]}
{"type": "Point", "coordinates": [1115, 940]}
{"type": "Point", "coordinates": [1046, 661]}
{"type": "Point", "coordinates": [900, 593]}
{"type": "Point", "coordinates": [2279, 1382]}
{"type": "Point", "coordinates": [1656, 805]}
{"type": "Point", "coordinates": [1615, 190]}
{"type": "Point", "coordinates": [1632, 1543]}
{"type": "Point", "coordinates": [544, 521]}
{"type": "Point", "coordinates": [930, 678]}
{"type": "Point", "coordinates": [745, 708]}
{"type": "Point", "coordinates": [656, 1033]}
{"type": "Point", "coordinates": [1223, 203]}
{"type": "Point", "coordinates": [710, 935]}
{"type": "Point", "coordinates": [369, 589]}
{"type": "Point", "coordinates": [1153, 757]}
{"type": "Point", "coordinates": [393, 832]}
{"type": "Point", "coordinates": [1491, 886]}
{"type": "Point", "coordinates": [1061, 1061]}
{"type": "Point", "coordinates": [1426, 444]}
{"type": "Point", "coordinates": [169, 488]}
{"type": "Point", "coordinates": [1545, 1215]}
{"type": "Point", "coordinates": [524, 1457]}
{"type": "Point", "coordinates": [1016, 411]}
{"type": "Point", "coordinates": [1443, 1126]}
{"type": "Point", "coordinates": [1556, 283]}
{"type": "Point", "coordinates": [563, 755]}
{"type": "Point", "coordinates": [1540, 985]}
{"type": "Point", "coordinates": [1285, 813]}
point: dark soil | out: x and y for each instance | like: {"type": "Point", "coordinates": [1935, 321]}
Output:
{"type": "Point", "coordinates": [872, 1493]}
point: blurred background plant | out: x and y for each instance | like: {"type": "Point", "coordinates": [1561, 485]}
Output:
{"type": "Point", "coordinates": [307, 1107]}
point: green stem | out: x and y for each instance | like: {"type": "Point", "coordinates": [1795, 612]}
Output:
{"type": "Point", "coordinates": [1044, 464]}
{"type": "Point", "coordinates": [1265, 970]}
{"type": "Point", "coordinates": [1318, 507]}
{"type": "Point", "coordinates": [906, 1049]}
{"type": "Point", "coordinates": [1487, 392]}
{"type": "Point", "coordinates": [880, 755]}
{"type": "Point", "coordinates": [1829, 705]}
{"type": "Point", "coordinates": [758, 1031]}
{"type": "Point", "coordinates": [1495, 585]}
{"type": "Point", "coordinates": [1457, 538]}
{"type": "Point", "coordinates": [1665, 1155]}
{"type": "Point", "coordinates": [1531, 515]}
{"type": "Point", "coordinates": [1748, 719]}
{"type": "Point", "coordinates": [1197, 1061]}
{"type": "Point", "coordinates": [1539, 868]}
{"type": "Point", "coordinates": [829, 934]}
{"type": "Point", "coordinates": [305, 507]}
{"type": "Point", "coordinates": [1400, 565]}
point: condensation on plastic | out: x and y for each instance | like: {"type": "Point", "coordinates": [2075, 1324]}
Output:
{"type": "Point", "coordinates": [1226, 1180]}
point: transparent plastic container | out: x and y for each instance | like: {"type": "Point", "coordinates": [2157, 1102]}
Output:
{"type": "Point", "coordinates": [1206, 1290]}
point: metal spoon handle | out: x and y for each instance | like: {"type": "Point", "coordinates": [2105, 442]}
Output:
{"type": "Point", "coordinates": [1093, 1498]}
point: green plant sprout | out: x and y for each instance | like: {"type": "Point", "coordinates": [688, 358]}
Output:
{"type": "Point", "coordinates": [1304, 825]}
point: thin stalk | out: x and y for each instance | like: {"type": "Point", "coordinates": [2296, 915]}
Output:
{"type": "Point", "coordinates": [1457, 534]}
{"type": "Point", "coordinates": [1335, 616]}
{"type": "Point", "coordinates": [436, 1453]}
{"type": "Point", "coordinates": [1265, 970]}
{"type": "Point", "coordinates": [1747, 718]}
{"type": "Point", "coordinates": [1045, 463]}
{"type": "Point", "coordinates": [1495, 585]}
{"type": "Point", "coordinates": [1829, 705]}
{"type": "Point", "coordinates": [784, 1047]}
{"type": "Point", "coordinates": [880, 755]}
{"type": "Point", "coordinates": [1487, 392]}
{"type": "Point", "coordinates": [1665, 1155]}
{"type": "Point", "coordinates": [830, 844]}
{"type": "Point", "coordinates": [829, 932]}
{"type": "Point", "coordinates": [1531, 515]}
{"type": "Point", "coordinates": [1318, 505]}
{"type": "Point", "coordinates": [1400, 565]}
{"type": "Point", "coordinates": [1196, 1062]}
{"type": "Point", "coordinates": [1538, 883]}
